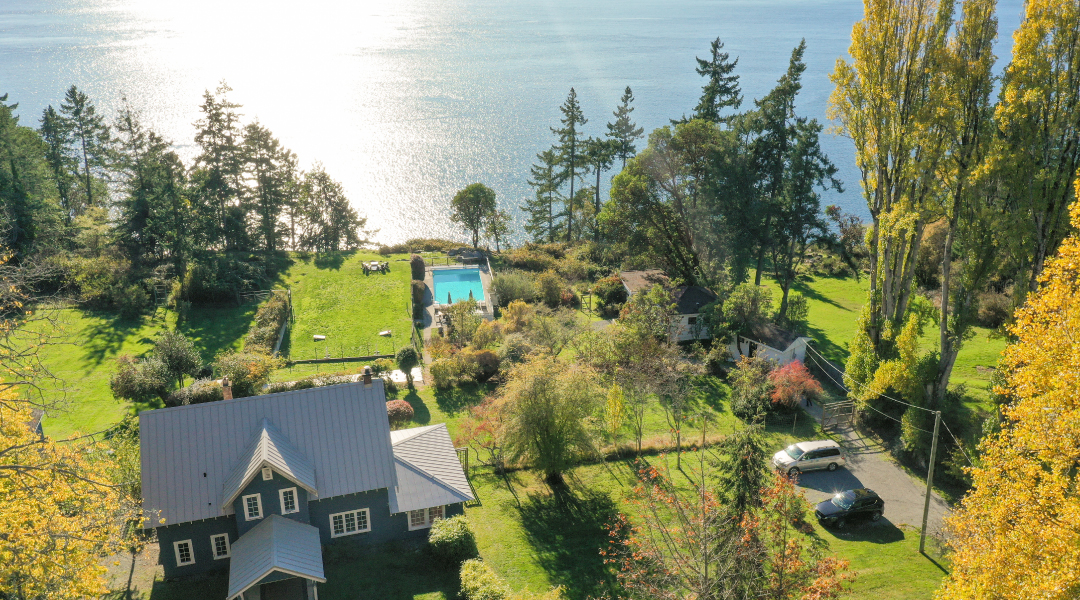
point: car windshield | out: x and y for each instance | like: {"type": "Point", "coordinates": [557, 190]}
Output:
{"type": "Point", "coordinates": [794, 451]}
{"type": "Point", "coordinates": [844, 500]}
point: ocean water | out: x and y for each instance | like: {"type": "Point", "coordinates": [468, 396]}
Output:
{"type": "Point", "coordinates": [406, 102]}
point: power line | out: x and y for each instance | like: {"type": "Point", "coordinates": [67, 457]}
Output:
{"type": "Point", "coordinates": [862, 385]}
{"type": "Point", "coordinates": [958, 444]}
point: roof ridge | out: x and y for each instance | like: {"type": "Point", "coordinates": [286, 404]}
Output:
{"type": "Point", "coordinates": [418, 431]}
{"type": "Point", "coordinates": [449, 487]}
{"type": "Point", "coordinates": [246, 398]}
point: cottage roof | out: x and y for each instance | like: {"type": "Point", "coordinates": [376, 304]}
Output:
{"type": "Point", "coordinates": [428, 470]}
{"type": "Point", "coordinates": [189, 452]}
{"type": "Point", "coordinates": [277, 544]}
{"type": "Point", "coordinates": [269, 448]}
{"type": "Point", "coordinates": [773, 336]}
{"type": "Point", "coordinates": [690, 299]}
{"type": "Point", "coordinates": [638, 281]}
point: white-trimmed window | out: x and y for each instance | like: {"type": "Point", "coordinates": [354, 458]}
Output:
{"type": "Point", "coordinates": [288, 501]}
{"type": "Point", "coordinates": [267, 473]}
{"type": "Point", "coordinates": [220, 545]}
{"type": "Point", "coordinates": [252, 507]}
{"type": "Point", "coordinates": [423, 518]}
{"type": "Point", "coordinates": [348, 523]}
{"type": "Point", "coordinates": [185, 554]}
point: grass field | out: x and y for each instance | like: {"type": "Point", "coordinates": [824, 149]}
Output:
{"type": "Point", "coordinates": [331, 296]}
{"type": "Point", "coordinates": [88, 343]}
{"type": "Point", "coordinates": [835, 304]}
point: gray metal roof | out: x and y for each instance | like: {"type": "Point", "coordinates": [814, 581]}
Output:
{"type": "Point", "coordinates": [269, 448]}
{"type": "Point", "coordinates": [276, 544]}
{"type": "Point", "coordinates": [189, 452]}
{"type": "Point", "coordinates": [428, 470]}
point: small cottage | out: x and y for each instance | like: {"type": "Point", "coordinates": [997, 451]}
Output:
{"type": "Point", "coordinates": [687, 324]}
{"type": "Point", "coordinates": [259, 485]}
{"type": "Point", "coordinates": [770, 342]}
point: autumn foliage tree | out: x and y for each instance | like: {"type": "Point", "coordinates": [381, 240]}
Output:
{"type": "Point", "coordinates": [792, 382]}
{"type": "Point", "coordinates": [60, 511]}
{"type": "Point", "coordinates": [687, 544]}
{"type": "Point", "coordinates": [1017, 533]}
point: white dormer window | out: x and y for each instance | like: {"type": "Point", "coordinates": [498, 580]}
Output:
{"type": "Point", "coordinates": [252, 507]}
{"type": "Point", "coordinates": [267, 473]}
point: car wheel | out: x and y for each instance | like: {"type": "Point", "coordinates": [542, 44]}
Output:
{"type": "Point", "coordinates": [793, 471]}
{"type": "Point", "coordinates": [832, 466]}
{"type": "Point", "coordinates": [874, 516]}
{"type": "Point", "coordinates": [841, 524]}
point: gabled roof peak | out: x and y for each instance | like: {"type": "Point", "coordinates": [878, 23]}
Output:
{"type": "Point", "coordinates": [269, 448]}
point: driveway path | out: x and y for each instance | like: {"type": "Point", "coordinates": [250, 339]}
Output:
{"type": "Point", "coordinates": [869, 465]}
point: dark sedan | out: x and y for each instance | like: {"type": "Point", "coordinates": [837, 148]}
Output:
{"type": "Point", "coordinates": [849, 506]}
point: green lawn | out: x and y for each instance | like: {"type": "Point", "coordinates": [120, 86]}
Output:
{"type": "Point", "coordinates": [84, 358]}
{"type": "Point", "coordinates": [834, 308]}
{"type": "Point", "coordinates": [333, 297]}
{"type": "Point", "coordinates": [536, 539]}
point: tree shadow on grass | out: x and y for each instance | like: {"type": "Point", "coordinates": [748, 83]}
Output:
{"type": "Point", "coordinates": [331, 260]}
{"type": "Point", "coordinates": [214, 328]}
{"type": "Point", "coordinates": [568, 529]}
{"type": "Point", "coordinates": [421, 414]}
{"type": "Point", "coordinates": [713, 392]}
{"type": "Point", "coordinates": [458, 398]}
{"type": "Point", "coordinates": [802, 285]}
{"type": "Point", "coordinates": [105, 337]}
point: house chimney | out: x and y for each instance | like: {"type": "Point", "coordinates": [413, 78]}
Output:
{"type": "Point", "coordinates": [226, 388]}
{"type": "Point", "coordinates": [367, 376]}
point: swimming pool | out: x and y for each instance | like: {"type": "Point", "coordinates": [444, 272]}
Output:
{"type": "Point", "coordinates": [456, 284]}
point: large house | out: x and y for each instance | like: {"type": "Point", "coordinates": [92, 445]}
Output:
{"type": "Point", "coordinates": [259, 485]}
{"type": "Point", "coordinates": [687, 325]}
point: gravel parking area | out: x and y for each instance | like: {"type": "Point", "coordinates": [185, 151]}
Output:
{"type": "Point", "coordinates": [869, 466]}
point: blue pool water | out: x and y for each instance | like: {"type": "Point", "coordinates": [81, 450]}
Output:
{"type": "Point", "coordinates": [457, 283]}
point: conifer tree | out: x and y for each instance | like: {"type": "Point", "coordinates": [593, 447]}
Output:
{"type": "Point", "coordinates": [218, 172]}
{"type": "Point", "coordinates": [271, 170]}
{"type": "Point", "coordinates": [54, 131]}
{"type": "Point", "coordinates": [546, 179]}
{"type": "Point", "coordinates": [91, 138]}
{"type": "Point", "coordinates": [569, 149]}
{"type": "Point", "coordinates": [721, 91]}
{"type": "Point", "coordinates": [599, 153]}
{"type": "Point", "coordinates": [624, 131]}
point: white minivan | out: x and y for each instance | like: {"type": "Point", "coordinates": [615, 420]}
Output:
{"type": "Point", "coordinates": [809, 456]}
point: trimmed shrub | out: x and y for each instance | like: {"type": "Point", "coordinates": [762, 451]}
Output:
{"type": "Point", "coordinates": [515, 348]}
{"type": "Point", "coordinates": [390, 387]}
{"type": "Point", "coordinates": [994, 309]}
{"type": "Point", "coordinates": [382, 365]}
{"type": "Point", "coordinates": [247, 371]}
{"type": "Point", "coordinates": [528, 259]}
{"type": "Point", "coordinates": [205, 390]}
{"type": "Point", "coordinates": [407, 360]}
{"type": "Point", "coordinates": [480, 582]}
{"type": "Point", "coordinates": [399, 412]}
{"type": "Point", "coordinates": [513, 286]}
{"type": "Point", "coordinates": [419, 290]}
{"type": "Point", "coordinates": [487, 334]}
{"type": "Point", "coordinates": [442, 373]}
{"type": "Point", "coordinates": [551, 287]}
{"type": "Point", "coordinates": [268, 321]}
{"type": "Point", "coordinates": [451, 541]}
{"type": "Point", "coordinates": [750, 388]}
{"type": "Point", "coordinates": [610, 295]}
{"type": "Point", "coordinates": [568, 298]}
{"type": "Point", "coordinates": [139, 380]}
{"type": "Point", "coordinates": [419, 268]}
{"type": "Point", "coordinates": [486, 361]}
{"type": "Point", "coordinates": [517, 316]}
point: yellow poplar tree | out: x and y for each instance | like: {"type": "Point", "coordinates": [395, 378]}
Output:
{"type": "Point", "coordinates": [1017, 534]}
{"type": "Point", "coordinates": [61, 513]}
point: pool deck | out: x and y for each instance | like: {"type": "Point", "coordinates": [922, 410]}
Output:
{"type": "Point", "coordinates": [429, 306]}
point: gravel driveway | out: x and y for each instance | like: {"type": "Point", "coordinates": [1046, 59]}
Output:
{"type": "Point", "coordinates": [870, 466]}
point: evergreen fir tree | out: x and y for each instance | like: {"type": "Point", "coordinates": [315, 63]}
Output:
{"type": "Point", "coordinates": [624, 131]}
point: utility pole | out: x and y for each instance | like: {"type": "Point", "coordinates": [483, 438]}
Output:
{"type": "Point", "coordinates": [929, 482]}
